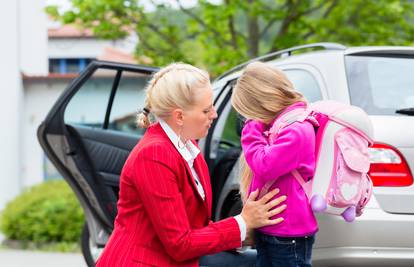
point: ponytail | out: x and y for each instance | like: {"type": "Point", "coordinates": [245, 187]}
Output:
{"type": "Point", "coordinates": [143, 120]}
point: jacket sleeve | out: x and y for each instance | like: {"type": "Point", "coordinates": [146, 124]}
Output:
{"type": "Point", "coordinates": [160, 193]}
{"type": "Point", "coordinates": [270, 161]}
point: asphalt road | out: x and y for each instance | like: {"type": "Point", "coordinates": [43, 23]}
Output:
{"type": "Point", "coordinates": [23, 258]}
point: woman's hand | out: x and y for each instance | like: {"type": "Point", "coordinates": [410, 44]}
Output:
{"type": "Point", "coordinates": [257, 213]}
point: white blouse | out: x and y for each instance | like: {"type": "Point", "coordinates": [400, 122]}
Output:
{"type": "Point", "coordinates": [189, 152]}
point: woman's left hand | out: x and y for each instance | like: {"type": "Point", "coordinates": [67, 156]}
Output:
{"type": "Point", "coordinates": [258, 213]}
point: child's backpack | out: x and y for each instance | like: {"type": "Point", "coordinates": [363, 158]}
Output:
{"type": "Point", "coordinates": [341, 185]}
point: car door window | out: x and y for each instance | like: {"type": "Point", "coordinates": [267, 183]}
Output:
{"type": "Point", "coordinates": [92, 102]}
{"type": "Point", "coordinates": [129, 98]}
{"type": "Point", "coordinates": [305, 83]}
{"type": "Point", "coordinates": [230, 136]}
{"type": "Point", "coordinates": [88, 106]}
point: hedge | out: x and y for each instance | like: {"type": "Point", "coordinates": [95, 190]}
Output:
{"type": "Point", "coordinates": [45, 213]}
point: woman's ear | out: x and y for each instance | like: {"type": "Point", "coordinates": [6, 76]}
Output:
{"type": "Point", "coordinates": [178, 116]}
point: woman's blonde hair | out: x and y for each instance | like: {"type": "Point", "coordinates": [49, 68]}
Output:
{"type": "Point", "coordinates": [173, 86]}
{"type": "Point", "coordinates": [261, 93]}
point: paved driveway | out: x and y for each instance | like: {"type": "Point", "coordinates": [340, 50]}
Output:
{"type": "Point", "coordinates": [23, 258]}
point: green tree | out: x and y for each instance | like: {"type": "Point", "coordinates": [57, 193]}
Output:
{"type": "Point", "coordinates": [218, 36]}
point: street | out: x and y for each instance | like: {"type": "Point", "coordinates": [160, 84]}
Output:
{"type": "Point", "coordinates": [23, 258]}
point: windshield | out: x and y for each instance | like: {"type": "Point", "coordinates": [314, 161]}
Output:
{"type": "Point", "coordinates": [381, 85]}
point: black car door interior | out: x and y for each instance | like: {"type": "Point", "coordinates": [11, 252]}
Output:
{"type": "Point", "coordinates": [100, 155]}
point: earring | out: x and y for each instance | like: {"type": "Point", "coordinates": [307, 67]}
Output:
{"type": "Point", "coordinates": [180, 143]}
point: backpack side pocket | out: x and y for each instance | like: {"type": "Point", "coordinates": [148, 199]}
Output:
{"type": "Point", "coordinates": [351, 167]}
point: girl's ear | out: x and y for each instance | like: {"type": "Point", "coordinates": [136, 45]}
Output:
{"type": "Point", "coordinates": [178, 116]}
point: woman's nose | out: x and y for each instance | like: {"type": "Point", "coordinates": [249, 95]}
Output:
{"type": "Point", "coordinates": [214, 114]}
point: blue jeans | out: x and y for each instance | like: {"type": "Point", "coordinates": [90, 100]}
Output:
{"type": "Point", "coordinates": [229, 259]}
{"type": "Point", "coordinates": [275, 251]}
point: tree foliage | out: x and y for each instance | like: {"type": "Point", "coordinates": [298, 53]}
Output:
{"type": "Point", "coordinates": [218, 36]}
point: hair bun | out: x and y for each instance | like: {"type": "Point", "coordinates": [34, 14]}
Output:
{"type": "Point", "coordinates": [142, 119]}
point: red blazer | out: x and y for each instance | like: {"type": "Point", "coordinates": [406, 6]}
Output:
{"type": "Point", "coordinates": [162, 220]}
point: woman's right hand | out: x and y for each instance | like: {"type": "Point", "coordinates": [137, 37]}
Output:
{"type": "Point", "coordinates": [258, 213]}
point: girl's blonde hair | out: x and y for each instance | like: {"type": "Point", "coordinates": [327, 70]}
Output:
{"type": "Point", "coordinates": [261, 93]}
{"type": "Point", "coordinates": [173, 86]}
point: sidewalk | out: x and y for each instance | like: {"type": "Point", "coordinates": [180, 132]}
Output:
{"type": "Point", "coordinates": [24, 258]}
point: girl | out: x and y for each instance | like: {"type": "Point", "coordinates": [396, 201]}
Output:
{"type": "Point", "coordinates": [262, 94]}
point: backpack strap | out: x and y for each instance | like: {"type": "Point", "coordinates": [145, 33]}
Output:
{"type": "Point", "coordinates": [285, 120]}
{"type": "Point", "coordinates": [300, 115]}
{"type": "Point", "coordinates": [306, 185]}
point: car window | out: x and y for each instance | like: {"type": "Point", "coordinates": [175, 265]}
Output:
{"type": "Point", "coordinates": [381, 85]}
{"type": "Point", "coordinates": [88, 106]}
{"type": "Point", "coordinates": [230, 134]}
{"type": "Point", "coordinates": [129, 98]}
{"type": "Point", "coordinates": [305, 83]}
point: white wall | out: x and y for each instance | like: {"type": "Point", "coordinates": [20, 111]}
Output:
{"type": "Point", "coordinates": [25, 48]}
{"type": "Point", "coordinates": [39, 97]}
{"type": "Point", "coordinates": [86, 47]}
{"type": "Point", "coordinates": [76, 48]}
{"type": "Point", "coordinates": [10, 103]}
{"type": "Point", "coordinates": [33, 37]}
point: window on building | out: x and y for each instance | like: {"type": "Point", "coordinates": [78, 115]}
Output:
{"type": "Point", "coordinates": [68, 65]}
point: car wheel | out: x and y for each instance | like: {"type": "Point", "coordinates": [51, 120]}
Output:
{"type": "Point", "coordinates": [90, 250]}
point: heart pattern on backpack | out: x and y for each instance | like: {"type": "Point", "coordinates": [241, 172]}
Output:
{"type": "Point", "coordinates": [349, 191]}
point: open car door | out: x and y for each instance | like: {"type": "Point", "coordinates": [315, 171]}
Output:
{"type": "Point", "coordinates": [88, 134]}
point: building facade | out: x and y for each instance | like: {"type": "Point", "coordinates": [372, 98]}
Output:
{"type": "Point", "coordinates": [39, 59]}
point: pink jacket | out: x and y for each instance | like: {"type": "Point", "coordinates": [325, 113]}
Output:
{"type": "Point", "coordinates": [293, 148]}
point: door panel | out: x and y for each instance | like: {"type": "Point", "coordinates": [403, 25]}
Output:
{"type": "Point", "coordinates": [100, 156]}
{"type": "Point", "coordinates": [90, 131]}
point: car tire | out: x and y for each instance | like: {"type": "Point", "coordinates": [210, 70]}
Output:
{"type": "Point", "coordinates": [88, 247]}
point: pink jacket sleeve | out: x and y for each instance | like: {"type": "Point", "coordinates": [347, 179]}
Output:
{"type": "Point", "coordinates": [267, 161]}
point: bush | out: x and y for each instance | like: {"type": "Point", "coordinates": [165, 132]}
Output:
{"type": "Point", "coordinates": [45, 213]}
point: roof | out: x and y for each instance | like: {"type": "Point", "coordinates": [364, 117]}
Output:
{"type": "Point", "coordinates": [379, 50]}
{"type": "Point", "coordinates": [116, 55]}
{"type": "Point", "coordinates": [69, 31]}
{"type": "Point", "coordinates": [50, 76]}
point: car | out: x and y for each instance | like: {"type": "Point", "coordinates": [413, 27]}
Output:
{"type": "Point", "coordinates": [90, 130]}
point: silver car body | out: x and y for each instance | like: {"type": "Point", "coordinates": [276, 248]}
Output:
{"type": "Point", "coordinates": [384, 234]}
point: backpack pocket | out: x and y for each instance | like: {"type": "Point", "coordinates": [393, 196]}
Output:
{"type": "Point", "coordinates": [351, 167]}
{"type": "Point", "coordinates": [365, 195]}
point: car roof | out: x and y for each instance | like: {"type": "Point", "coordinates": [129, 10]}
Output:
{"type": "Point", "coordinates": [328, 48]}
{"type": "Point", "coordinates": [379, 50]}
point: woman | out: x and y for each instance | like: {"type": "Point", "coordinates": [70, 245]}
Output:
{"type": "Point", "coordinates": [164, 207]}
